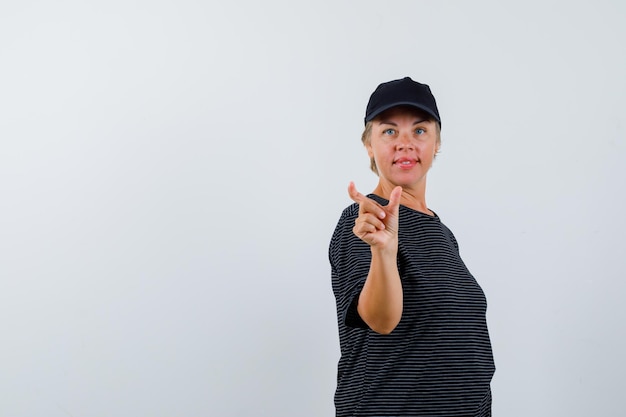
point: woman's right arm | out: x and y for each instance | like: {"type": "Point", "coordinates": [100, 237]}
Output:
{"type": "Point", "coordinates": [380, 300]}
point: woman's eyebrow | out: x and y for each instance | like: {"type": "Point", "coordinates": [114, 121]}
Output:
{"type": "Point", "coordinates": [387, 122]}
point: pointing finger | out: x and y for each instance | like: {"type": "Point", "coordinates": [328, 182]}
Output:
{"type": "Point", "coordinates": [366, 205]}
{"type": "Point", "coordinates": [356, 196]}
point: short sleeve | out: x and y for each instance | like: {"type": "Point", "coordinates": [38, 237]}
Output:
{"type": "Point", "coordinates": [350, 260]}
{"type": "Point", "coordinates": [451, 237]}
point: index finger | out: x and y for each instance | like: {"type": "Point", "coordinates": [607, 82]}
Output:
{"type": "Point", "coordinates": [366, 204]}
{"type": "Point", "coordinates": [356, 196]}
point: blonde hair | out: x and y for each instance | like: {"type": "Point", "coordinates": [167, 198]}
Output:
{"type": "Point", "coordinates": [366, 138]}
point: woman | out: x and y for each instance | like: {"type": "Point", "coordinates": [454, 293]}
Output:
{"type": "Point", "coordinates": [412, 327]}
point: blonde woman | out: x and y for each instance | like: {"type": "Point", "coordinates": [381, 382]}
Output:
{"type": "Point", "coordinates": [412, 327]}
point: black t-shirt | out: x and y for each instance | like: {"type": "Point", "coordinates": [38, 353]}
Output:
{"type": "Point", "coordinates": [438, 360]}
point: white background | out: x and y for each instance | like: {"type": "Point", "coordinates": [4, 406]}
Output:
{"type": "Point", "coordinates": [171, 173]}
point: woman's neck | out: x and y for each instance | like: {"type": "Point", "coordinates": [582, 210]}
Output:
{"type": "Point", "coordinates": [413, 198]}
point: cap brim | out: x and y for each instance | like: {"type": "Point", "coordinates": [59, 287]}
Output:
{"type": "Point", "coordinates": [378, 111]}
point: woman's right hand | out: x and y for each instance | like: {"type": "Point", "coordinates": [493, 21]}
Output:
{"type": "Point", "coordinates": [377, 225]}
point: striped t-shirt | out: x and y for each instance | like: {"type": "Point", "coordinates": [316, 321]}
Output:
{"type": "Point", "coordinates": [438, 360]}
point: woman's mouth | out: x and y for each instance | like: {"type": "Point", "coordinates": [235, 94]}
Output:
{"type": "Point", "coordinates": [406, 163]}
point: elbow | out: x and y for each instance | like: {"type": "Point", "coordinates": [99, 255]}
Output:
{"type": "Point", "coordinates": [380, 320]}
{"type": "Point", "coordinates": [383, 323]}
{"type": "Point", "coordinates": [385, 327]}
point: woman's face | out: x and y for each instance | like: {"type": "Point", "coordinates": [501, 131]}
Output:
{"type": "Point", "coordinates": [403, 143]}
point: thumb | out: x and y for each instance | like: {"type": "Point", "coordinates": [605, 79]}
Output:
{"type": "Point", "coordinates": [394, 200]}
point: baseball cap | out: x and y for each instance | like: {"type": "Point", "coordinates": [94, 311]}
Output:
{"type": "Point", "coordinates": [403, 92]}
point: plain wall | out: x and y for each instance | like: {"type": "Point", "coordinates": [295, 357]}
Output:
{"type": "Point", "coordinates": [171, 173]}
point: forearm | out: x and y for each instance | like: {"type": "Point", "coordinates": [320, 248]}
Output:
{"type": "Point", "coordinates": [380, 301]}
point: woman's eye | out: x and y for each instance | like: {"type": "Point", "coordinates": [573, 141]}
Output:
{"type": "Point", "coordinates": [420, 131]}
{"type": "Point", "coordinates": [388, 132]}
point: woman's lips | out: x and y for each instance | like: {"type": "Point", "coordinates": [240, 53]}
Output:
{"type": "Point", "coordinates": [406, 163]}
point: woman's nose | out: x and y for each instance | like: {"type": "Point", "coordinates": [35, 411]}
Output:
{"type": "Point", "coordinates": [404, 142]}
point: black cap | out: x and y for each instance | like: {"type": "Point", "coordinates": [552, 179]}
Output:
{"type": "Point", "coordinates": [404, 92]}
